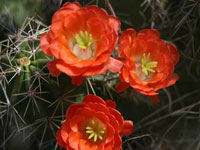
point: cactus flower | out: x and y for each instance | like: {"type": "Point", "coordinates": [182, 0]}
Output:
{"type": "Point", "coordinates": [81, 39]}
{"type": "Point", "coordinates": [148, 62]}
{"type": "Point", "coordinates": [94, 124]}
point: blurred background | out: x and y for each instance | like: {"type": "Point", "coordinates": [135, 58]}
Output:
{"type": "Point", "coordinates": [172, 124]}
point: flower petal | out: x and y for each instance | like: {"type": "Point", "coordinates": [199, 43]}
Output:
{"type": "Point", "coordinates": [45, 44]}
{"type": "Point", "coordinates": [74, 139]}
{"type": "Point", "coordinates": [53, 69]}
{"type": "Point", "coordinates": [93, 99]}
{"type": "Point", "coordinates": [74, 23]}
{"type": "Point", "coordinates": [117, 116]}
{"type": "Point", "coordinates": [72, 109]}
{"type": "Point", "coordinates": [114, 65]}
{"type": "Point", "coordinates": [87, 145]}
{"type": "Point", "coordinates": [67, 69]}
{"type": "Point", "coordinates": [91, 71]}
{"type": "Point", "coordinates": [78, 80]}
{"type": "Point", "coordinates": [74, 5]}
{"type": "Point", "coordinates": [149, 34]}
{"type": "Point", "coordinates": [60, 140]}
{"type": "Point", "coordinates": [111, 103]}
{"type": "Point", "coordinates": [121, 86]}
{"type": "Point", "coordinates": [127, 128]}
{"type": "Point", "coordinates": [155, 99]}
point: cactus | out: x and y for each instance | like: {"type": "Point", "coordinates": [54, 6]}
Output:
{"type": "Point", "coordinates": [33, 103]}
{"type": "Point", "coordinates": [25, 84]}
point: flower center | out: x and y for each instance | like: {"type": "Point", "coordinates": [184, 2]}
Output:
{"type": "Point", "coordinates": [147, 66]}
{"type": "Point", "coordinates": [94, 131]}
{"type": "Point", "coordinates": [84, 39]}
{"type": "Point", "coordinates": [83, 46]}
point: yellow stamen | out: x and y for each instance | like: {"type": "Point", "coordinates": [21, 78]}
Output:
{"type": "Point", "coordinates": [95, 131]}
{"type": "Point", "coordinates": [84, 39]}
{"type": "Point", "coordinates": [148, 66]}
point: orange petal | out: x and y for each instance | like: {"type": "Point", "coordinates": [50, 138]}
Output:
{"type": "Point", "coordinates": [117, 116]}
{"type": "Point", "coordinates": [115, 23]}
{"type": "Point", "coordinates": [110, 131]}
{"type": "Point", "coordinates": [72, 5]}
{"type": "Point", "coordinates": [138, 48]}
{"type": "Point", "coordinates": [128, 35]}
{"type": "Point", "coordinates": [98, 107]}
{"type": "Point", "coordinates": [87, 13]}
{"type": "Point", "coordinates": [125, 73]}
{"type": "Point", "coordinates": [73, 140]}
{"type": "Point", "coordinates": [99, 12]}
{"type": "Point", "coordinates": [109, 146]}
{"type": "Point", "coordinates": [78, 80]}
{"type": "Point", "coordinates": [114, 65]}
{"type": "Point", "coordinates": [121, 86]}
{"type": "Point", "coordinates": [91, 71]}
{"type": "Point", "coordinates": [93, 99]}
{"type": "Point", "coordinates": [57, 29]}
{"type": "Point", "coordinates": [150, 93]}
{"type": "Point", "coordinates": [173, 53]}
{"type": "Point", "coordinates": [97, 28]}
{"type": "Point", "coordinates": [102, 46]}
{"type": "Point", "coordinates": [65, 129]}
{"type": "Point", "coordinates": [60, 140]}
{"type": "Point", "coordinates": [102, 59]}
{"type": "Point", "coordinates": [126, 41]}
{"type": "Point", "coordinates": [72, 109]}
{"type": "Point", "coordinates": [168, 82]}
{"type": "Point", "coordinates": [74, 23]}
{"type": "Point", "coordinates": [87, 112]}
{"type": "Point", "coordinates": [61, 50]}
{"type": "Point", "coordinates": [155, 99]}
{"type": "Point", "coordinates": [149, 34]}
{"type": "Point", "coordinates": [52, 68]}
{"type": "Point", "coordinates": [69, 70]}
{"type": "Point", "coordinates": [45, 44]}
{"type": "Point", "coordinates": [118, 142]}
{"type": "Point", "coordinates": [111, 103]}
{"type": "Point", "coordinates": [77, 122]}
{"type": "Point", "coordinates": [127, 128]}
{"type": "Point", "coordinates": [114, 123]}
{"type": "Point", "coordinates": [87, 145]}
{"type": "Point", "coordinates": [63, 13]}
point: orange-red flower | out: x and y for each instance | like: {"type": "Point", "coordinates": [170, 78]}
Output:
{"type": "Point", "coordinates": [94, 124]}
{"type": "Point", "coordinates": [148, 61]}
{"type": "Point", "coordinates": [82, 40]}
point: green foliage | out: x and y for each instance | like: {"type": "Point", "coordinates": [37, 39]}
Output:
{"type": "Point", "coordinates": [20, 9]}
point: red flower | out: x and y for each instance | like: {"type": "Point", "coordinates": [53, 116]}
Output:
{"type": "Point", "coordinates": [148, 61]}
{"type": "Point", "coordinates": [82, 40]}
{"type": "Point", "coordinates": [93, 125]}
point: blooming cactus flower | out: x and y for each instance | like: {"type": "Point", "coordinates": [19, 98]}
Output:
{"type": "Point", "coordinates": [82, 40]}
{"type": "Point", "coordinates": [94, 124]}
{"type": "Point", "coordinates": [148, 61]}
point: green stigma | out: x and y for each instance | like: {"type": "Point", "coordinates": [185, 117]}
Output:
{"type": "Point", "coordinates": [84, 39]}
{"type": "Point", "coordinates": [148, 66]}
{"type": "Point", "coordinates": [95, 131]}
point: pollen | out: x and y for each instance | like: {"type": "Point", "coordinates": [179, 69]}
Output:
{"type": "Point", "coordinates": [94, 131]}
{"type": "Point", "coordinates": [147, 66]}
{"type": "Point", "coordinates": [84, 39]}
